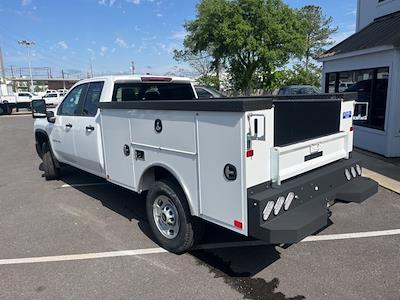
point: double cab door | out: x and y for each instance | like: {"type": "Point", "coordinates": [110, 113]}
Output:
{"type": "Point", "coordinates": [76, 136]}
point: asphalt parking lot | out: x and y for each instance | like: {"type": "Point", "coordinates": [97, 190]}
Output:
{"type": "Point", "coordinates": [71, 234]}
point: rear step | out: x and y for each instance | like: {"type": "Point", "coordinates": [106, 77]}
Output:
{"type": "Point", "coordinates": [298, 223]}
{"type": "Point", "coordinates": [358, 190]}
{"type": "Point", "coordinates": [308, 212]}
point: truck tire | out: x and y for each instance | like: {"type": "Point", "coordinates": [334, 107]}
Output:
{"type": "Point", "coordinates": [6, 109]}
{"type": "Point", "coordinates": [169, 217]}
{"type": "Point", "coordinates": [51, 172]}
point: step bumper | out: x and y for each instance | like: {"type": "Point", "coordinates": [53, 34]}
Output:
{"type": "Point", "coordinates": [308, 212]}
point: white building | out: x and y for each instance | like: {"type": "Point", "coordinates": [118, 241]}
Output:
{"type": "Point", "coordinates": [368, 62]}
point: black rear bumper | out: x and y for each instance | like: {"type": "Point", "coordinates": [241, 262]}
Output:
{"type": "Point", "coordinates": [309, 211]}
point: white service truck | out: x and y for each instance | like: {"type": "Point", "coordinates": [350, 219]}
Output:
{"type": "Point", "coordinates": [265, 167]}
{"type": "Point", "coordinates": [16, 101]}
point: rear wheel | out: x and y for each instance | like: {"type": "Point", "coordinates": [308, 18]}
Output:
{"type": "Point", "coordinates": [51, 171]}
{"type": "Point", "coordinates": [169, 217]}
{"type": "Point", "coordinates": [5, 109]}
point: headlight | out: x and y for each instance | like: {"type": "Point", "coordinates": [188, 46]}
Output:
{"type": "Point", "coordinates": [347, 174]}
{"type": "Point", "coordinates": [359, 170]}
{"type": "Point", "coordinates": [278, 205]}
{"type": "Point", "coordinates": [267, 210]}
{"type": "Point", "coordinates": [353, 172]}
{"type": "Point", "coordinates": [288, 201]}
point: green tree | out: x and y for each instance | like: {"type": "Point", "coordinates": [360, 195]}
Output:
{"type": "Point", "coordinates": [252, 38]}
{"type": "Point", "coordinates": [317, 29]}
{"type": "Point", "coordinates": [203, 64]}
{"type": "Point", "coordinates": [299, 75]}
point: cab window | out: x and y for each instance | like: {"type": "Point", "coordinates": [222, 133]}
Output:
{"type": "Point", "coordinates": [203, 94]}
{"type": "Point", "coordinates": [69, 107]}
{"type": "Point", "coordinates": [142, 91]}
{"type": "Point", "coordinates": [92, 98]}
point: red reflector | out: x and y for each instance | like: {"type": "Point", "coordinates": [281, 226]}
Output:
{"type": "Point", "coordinates": [147, 78]}
{"type": "Point", "coordinates": [351, 128]}
{"type": "Point", "coordinates": [250, 153]}
{"type": "Point", "coordinates": [238, 224]}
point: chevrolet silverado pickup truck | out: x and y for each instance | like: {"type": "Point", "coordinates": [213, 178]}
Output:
{"type": "Point", "coordinates": [265, 167]}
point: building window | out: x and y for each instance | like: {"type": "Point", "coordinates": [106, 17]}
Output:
{"type": "Point", "coordinates": [371, 86]}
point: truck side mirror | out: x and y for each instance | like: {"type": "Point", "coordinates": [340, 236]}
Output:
{"type": "Point", "coordinates": [39, 109]}
{"type": "Point", "coordinates": [50, 117]}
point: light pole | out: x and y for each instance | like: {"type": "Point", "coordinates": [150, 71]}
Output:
{"type": "Point", "coordinates": [133, 67]}
{"type": "Point", "coordinates": [28, 45]}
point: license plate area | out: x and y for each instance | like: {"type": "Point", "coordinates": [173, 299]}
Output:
{"type": "Point", "coordinates": [313, 155]}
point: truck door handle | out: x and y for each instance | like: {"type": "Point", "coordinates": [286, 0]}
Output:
{"type": "Point", "coordinates": [68, 125]}
{"type": "Point", "coordinates": [89, 128]}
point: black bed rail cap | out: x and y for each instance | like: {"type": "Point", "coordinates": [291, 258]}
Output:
{"type": "Point", "coordinates": [241, 104]}
{"type": "Point", "coordinates": [319, 97]}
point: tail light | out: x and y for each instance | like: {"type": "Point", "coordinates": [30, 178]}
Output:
{"type": "Point", "coordinates": [250, 153]}
{"type": "Point", "coordinates": [156, 79]}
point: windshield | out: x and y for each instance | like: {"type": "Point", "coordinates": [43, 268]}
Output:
{"type": "Point", "coordinates": [299, 90]}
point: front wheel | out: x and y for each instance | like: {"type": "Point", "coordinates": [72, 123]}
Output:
{"type": "Point", "coordinates": [169, 217]}
{"type": "Point", "coordinates": [51, 171]}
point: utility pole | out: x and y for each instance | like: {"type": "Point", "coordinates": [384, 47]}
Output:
{"type": "Point", "coordinates": [28, 45]}
{"type": "Point", "coordinates": [62, 74]}
{"type": "Point", "coordinates": [91, 68]}
{"type": "Point", "coordinates": [133, 67]}
{"type": "Point", "coordinates": [3, 71]}
{"type": "Point", "coordinates": [12, 72]}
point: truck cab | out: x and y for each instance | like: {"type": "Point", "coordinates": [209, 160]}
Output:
{"type": "Point", "coordinates": [26, 97]}
{"type": "Point", "coordinates": [76, 120]}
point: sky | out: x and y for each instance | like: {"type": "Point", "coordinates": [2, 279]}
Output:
{"type": "Point", "coordinates": [106, 35]}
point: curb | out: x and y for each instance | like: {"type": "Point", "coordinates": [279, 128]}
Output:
{"type": "Point", "coordinates": [384, 181]}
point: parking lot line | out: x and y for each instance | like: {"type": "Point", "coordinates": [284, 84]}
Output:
{"type": "Point", "coordinates": [73, 257]}
{"type": "Point", "coordinates": [355, 235]}
{"type": "Point", "coordinates": [83, 184]}
{"type": "Point", "coordinates": [17, 115]}
{"type": "Point", "coordinates": [29, 260]}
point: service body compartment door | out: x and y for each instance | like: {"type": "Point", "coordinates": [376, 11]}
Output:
{"type": "Point", "coordinates": [166, 139]}
{"type": "Point", "coordinates": [221, 145]}
{"type": "Point", "coordinates": [117, 147]}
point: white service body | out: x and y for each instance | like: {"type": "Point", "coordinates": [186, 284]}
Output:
{"type": "Point", "coordinates": [194, 146]}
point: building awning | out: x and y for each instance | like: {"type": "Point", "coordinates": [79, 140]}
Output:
{"type": "Point", "coordinates": [384, 31]}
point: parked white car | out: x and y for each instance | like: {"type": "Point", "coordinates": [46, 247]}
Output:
{"type": "Point", "coordinates": [62, 91]}
{"type": "Point", "coordinates": [53, 98]}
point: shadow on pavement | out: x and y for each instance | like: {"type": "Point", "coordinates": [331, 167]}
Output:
{"type": "Point", "coordinates": [389, 167]}
{"type": "Point", "coordinates": [237, 266]}
{"type": "Point", "coordinates": [122, 201]}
